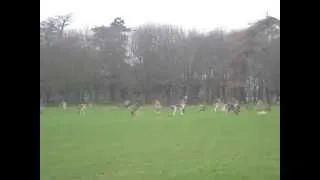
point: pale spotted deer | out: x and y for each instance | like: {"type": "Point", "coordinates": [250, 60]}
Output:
{"type": "Point", "coordinates": [157, 105]}
{"type": "Point", "coordinates": [127, 103]}
{"type": "Point", "coordinates": [219, 105]}
{"type": "Point", "coordinates": [64, 105]}
{"type": "Point", "coordinates": [180, 106]}
{"type": "Point", "coordinates": [262, 108]}
{"type": "Point", "coordinates": [41, 109]}
{"type": "Point", "coordinates": [82, 108]}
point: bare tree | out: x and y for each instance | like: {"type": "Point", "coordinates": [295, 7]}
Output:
{"type": "Point", "coordinates": [114, 63]}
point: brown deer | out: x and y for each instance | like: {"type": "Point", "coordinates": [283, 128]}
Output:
{"type": "Point", "coordinates": [233, 107]}
{"type": "Point", "coordinates": [202, 107]}
{"type": "Point", "coordinates": [135, 107]}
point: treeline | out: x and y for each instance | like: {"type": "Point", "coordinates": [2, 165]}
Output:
{"type": "Point", "coordinates": [109, 64]}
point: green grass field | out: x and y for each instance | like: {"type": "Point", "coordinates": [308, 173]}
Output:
{"type": "Point", "coordinates": [108, 144]}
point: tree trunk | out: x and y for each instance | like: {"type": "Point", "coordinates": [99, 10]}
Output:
{"type": "Point", "coordinates": [112, 93]}
{"type": "Point", "coordinates": [278, 95]}
{"type": "Point", "coordinates": [242, 95]}
{"type": "Point", "coordinates": [218, 93]}
{"type": "Point", "coordinates": [255, 93]}
{"type": "Point", "coordinates": [93, 94]}
{"type": "Point", "coordinates": [185, 89]}
{"type": "Point", "coordinates": [80, 95]}
{"type": "Point", "coordinates": [223, 90]}
{"type": "Point", "coordinates": [123, 94]}
{"type": "Point", "coordinates": [168, 94]}
{"type": "Point", "coordinates": [146, 97]}
{"type": "Point", "coordinates": [261, 89]}
{"type": "Point", "coordinates": [207, 94]}
{"type": "Point", "coordinates": [267, 95]}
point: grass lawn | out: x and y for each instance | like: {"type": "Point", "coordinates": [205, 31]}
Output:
{"type": "Point", "coordinates": [108, 144]}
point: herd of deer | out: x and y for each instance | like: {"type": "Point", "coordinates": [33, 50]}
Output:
{"type": "Point", "coordinates": [233, 107]}
{"type": "Point", "coordinates": [82, 107]}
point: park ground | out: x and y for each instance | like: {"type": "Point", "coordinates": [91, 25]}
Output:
{"type": "Point", "coordinates": [107, 143]}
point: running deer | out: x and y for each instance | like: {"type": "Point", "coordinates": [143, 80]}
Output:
{"type": "Point", "coordinates": [41, 109]}
{"type": "Point", "coordinates": [135, 107]}
{"type": "Point", "coordinates": [262, 108]}
{"type": "Point", "coordinates": [219, 105]}
{"type": "Point", "coordinates": [157, 105]}
{"type": "Point", "coordinates": [127, 103]}
{"type": "Point", "coordinates": [233, 107]}
{"type": "Point", "coordinates": [64, 105]}
{"type": "Point", "coordinates": [180, 106]}
{"type": "Point", "coordinates": [202, 107]}
{"type": "Point", "coordinates": [82, 108]}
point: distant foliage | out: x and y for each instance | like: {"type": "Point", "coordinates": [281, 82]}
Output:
{"type": "Point", "coordinates": [114, 63]}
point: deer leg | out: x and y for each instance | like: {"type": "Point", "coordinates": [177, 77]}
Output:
{"type": "Point", "coordinates": [181, 111]}
{"type": "Point", "coordinates": [174, 110]}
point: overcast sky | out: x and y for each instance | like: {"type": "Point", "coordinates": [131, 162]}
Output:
{"type": "Point", "coordinates": [203, 15]}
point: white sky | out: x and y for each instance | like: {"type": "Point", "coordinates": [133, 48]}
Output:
{"type": "Point", "coordinates": [204, 15]}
